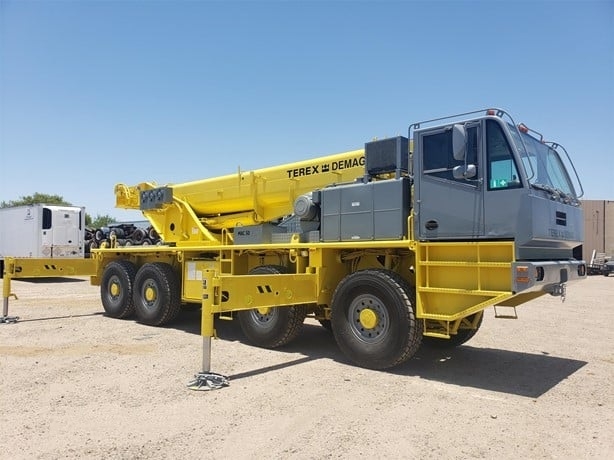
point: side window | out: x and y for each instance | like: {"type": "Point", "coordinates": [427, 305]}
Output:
{"type": "Point", "coordinates": [46, 218]}
{"type": "Point", "coordinates": [438, 157]}
{"type": "Point", "coordinates": [502, 171]}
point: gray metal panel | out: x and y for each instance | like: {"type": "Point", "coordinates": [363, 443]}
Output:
{"type": "Point", "coordinates": [372, 211]}
{"type": "Point", "coordinates": [391, 209]}
{"type": "Point", "coordinates": [357, 226]}
{"type": "Point", "coordinates": [255, 234]}
{"type": "Point", "coordinates": [547, 229]}
{"type": "Point", "coordinates": [357, 212]}
{"type": "Point", "coordinates": [387, 155]}
{"type": "Point", "coordinates": [330, 206]}
{"type": "Point", "coordinates": [281, 237]}
{"type": "Point", "coordinates": [155, 198]}
{"type": "Point", "coordinates": [445, 208]}
{"type": "Point", "coordinates": [310, 237]}
{"type": "Point", "coordinates": [449, 209]}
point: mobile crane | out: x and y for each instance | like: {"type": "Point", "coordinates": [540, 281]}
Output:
{"type": "Point", "coordinates": [403, 242]}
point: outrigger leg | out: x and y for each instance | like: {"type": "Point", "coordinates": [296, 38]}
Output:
{"type": "Point", "coordinates": [207, 380]}
{"type": "Point", "coordinates": [6, 293]}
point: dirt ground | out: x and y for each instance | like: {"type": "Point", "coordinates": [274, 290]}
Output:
{"type": "Point", "coordinates": [76, 384]}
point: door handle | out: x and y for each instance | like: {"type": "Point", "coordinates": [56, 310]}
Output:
{"type": "Point", "coordinates": [431, 224]}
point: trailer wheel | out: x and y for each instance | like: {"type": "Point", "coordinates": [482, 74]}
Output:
{"type": "Point", "coordinates": [116, 289]}
{"type": "Point", "coordinates": [157, 299]}
{"type": "Point", "coordinates": [272, 327]}
{"type": "Point", "coordinates": [462, 336]}
{"type": "Point", "coordinates": [373, 319]}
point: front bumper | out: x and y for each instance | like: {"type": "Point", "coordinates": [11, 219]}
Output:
{"type": "Point", "coordinates": [546, 276]}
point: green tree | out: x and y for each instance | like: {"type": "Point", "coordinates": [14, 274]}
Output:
{"type": "Point", "coordinates": [99, 221]}
{"type": "Point", "coordinates": [56, 200]}
{"type": "Point", "coordinates": [37, 198]}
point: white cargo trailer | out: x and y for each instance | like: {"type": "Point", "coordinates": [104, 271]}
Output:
{"type": "Point", "coordinates": [42, 231]}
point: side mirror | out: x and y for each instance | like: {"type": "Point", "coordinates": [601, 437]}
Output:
{"type": "Point", "coordinates": [459, 142]}
{"type": "Point", "coordinates": [464, 172]}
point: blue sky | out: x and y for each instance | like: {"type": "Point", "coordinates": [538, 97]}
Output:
{"type": "Point", "coordinates": [96, 93]}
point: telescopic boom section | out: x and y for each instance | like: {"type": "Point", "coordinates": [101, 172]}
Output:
{"type": "Point", "coordinates": [196, 213]}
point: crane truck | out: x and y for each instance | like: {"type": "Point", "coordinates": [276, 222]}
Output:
{"type": "Point", "coordinates": [404, 242]}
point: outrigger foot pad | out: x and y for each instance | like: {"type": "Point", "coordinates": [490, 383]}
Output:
{"type": "Point", "coordinates": [204, 381]}
{"type": "Point", "coordinates": [8, 319]}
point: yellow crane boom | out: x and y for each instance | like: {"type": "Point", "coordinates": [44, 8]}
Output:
{"type": "Point", "coordinates": [196, 212]}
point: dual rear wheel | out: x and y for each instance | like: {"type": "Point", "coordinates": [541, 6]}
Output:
{"type": "Point", "coordinates": [152, 293]}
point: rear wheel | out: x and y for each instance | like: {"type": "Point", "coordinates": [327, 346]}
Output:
{"type": "Point", "coordinates": [373, 319]}
{"type": "Point", "coordinates": [462, 336]}
{"type": "Point", "coordinates": [271, 327]}
{"type": "Point", "coordinates": [157, 299]}
{"type": "Point", "coordinates": [116, 289]}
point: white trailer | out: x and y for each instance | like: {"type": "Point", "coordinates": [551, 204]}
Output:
{"type": "Point", "coordinates": [42, 231]}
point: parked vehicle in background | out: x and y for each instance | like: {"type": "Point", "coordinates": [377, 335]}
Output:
{"type": "Point", "coordinates": [600, 264]}
{"type": "Point", "coordinates": [607, 268]}
{"type": "Point", "coordinates": [42, 231]}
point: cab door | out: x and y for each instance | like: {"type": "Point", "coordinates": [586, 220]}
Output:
{"type": "Point", "coordinates": [449, 195]}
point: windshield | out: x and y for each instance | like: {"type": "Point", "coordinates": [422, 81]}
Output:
{"type": "Point", "coordinates": [544, 167]}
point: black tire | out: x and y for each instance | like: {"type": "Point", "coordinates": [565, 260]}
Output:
{"type": "Point", "coordinates": [138, 235]}
{"type": "Point", "coordinates": [116, 289]}
{"type": "Point", "coordinates": [326, 324]}
{"type": "Point", "coordinates": [462, 336]}
{"type": "Point", "coordinates": [157, 299]}
{"type": "Point", "coordinates": [275, 326]}
{"type": "Point", "coordinates": [373, 319]}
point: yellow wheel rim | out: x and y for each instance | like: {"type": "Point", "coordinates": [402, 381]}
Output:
{"type": "Point", "coordinates": [150, 294]}
{"type": "Point", "coordinates": [368, 318]}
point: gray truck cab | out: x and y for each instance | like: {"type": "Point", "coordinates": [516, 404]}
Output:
{"type": "Point", "coordinates": [481, 176]}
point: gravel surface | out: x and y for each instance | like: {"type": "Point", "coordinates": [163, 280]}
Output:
{"type": "Point", "coordinates": [77, 384]}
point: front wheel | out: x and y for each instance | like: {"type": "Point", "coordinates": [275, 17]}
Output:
{"type": "Point", "coordinates": [271, 327]}
{"type": "Point", "coordinates": [373, 319]}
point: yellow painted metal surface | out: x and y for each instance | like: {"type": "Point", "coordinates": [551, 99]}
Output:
{"type": "Point", "coordinates": [193, 278]}
{"type": "Point", "coordinates": [244, 198]}
{"type": "Point", "coordinates": [457, 279]}
{"type": "Point", "coordinates": [16, 268]}
{"type": "Point", "coordinates": [42, 268]}
{"type": "Point", "coordinates": [255, 291]}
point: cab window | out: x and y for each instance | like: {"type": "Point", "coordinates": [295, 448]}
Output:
{"type": "Point", "coordinates": [502, 170]}
{"type": "Point", "coordinates": [438, 158]}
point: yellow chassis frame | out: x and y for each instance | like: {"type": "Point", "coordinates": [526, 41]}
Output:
{"type": "Point", "coordinates": [453, 280]}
